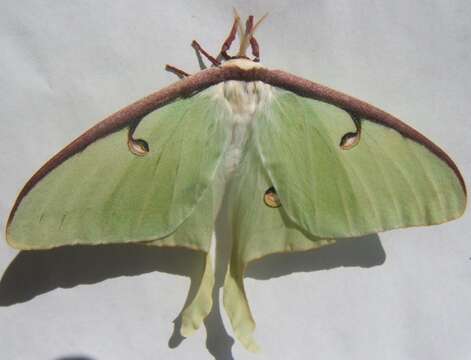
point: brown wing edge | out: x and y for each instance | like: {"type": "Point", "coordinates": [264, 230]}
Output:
{"type": "Point", "coordinates": [206, 78]}
{"type": "Point", "coordinates": [357, 107]}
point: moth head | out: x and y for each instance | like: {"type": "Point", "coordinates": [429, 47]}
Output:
{"type": "Point", "coordinates": [246, 38]}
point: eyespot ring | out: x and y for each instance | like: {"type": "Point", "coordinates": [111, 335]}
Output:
{"type": "Point", "coordinates": [271, 198]}
{"type": "Point", "coordinates": [351, 139]}
{"type": "Point", "coordinates": [138, 147]}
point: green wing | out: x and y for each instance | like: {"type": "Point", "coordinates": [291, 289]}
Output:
{"type": "Point", "coordinates": [386, 181]}
{"type": "Point", "coordinates": [325, 191]}
{"type": "Point", "coordinates": [107, 194]}
{"type": "Point", "coordinates": [257, 230]}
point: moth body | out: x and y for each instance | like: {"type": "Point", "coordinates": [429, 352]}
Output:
{"type": "Point", "coordinates": [243, 100]}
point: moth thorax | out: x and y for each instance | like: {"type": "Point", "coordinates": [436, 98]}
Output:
{"type": "Point", "coordinates": [245, 98]}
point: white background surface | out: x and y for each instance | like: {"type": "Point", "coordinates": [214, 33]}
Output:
{"type": "Point", "coordinates": [403, 295]}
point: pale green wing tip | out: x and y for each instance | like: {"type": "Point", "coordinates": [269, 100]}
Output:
{"type": "Point", "coordinates": [9, 239]}
{"type": "Point", "coordinates": [248, 342]}
{"type": "Point", "coordinates": [195, 313]}
{"type": "Point", "coordinates": [237, 308]}
{"type": "Point", "coordinates": [18, 246]}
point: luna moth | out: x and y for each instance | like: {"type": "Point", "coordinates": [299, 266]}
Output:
{"type": "Point", "coordinates": [300, 165]}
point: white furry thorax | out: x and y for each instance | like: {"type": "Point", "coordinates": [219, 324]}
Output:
{"type": "Point", "coordinates": [243, 100]}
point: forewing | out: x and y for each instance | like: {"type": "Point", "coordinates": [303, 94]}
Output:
{"type": "Point", "coordinates": [107, 194]}
{"type": "Point", "coordinates": [386, 181]}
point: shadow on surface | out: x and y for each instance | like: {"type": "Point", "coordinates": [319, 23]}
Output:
{"type": "Point", "coordinates": [74, 357]}
{"type": "Point", "coordinates": [365, 251]}
{"type": "Point", "coordinates": [33, 273]}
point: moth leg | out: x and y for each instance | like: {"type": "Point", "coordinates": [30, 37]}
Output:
{"type": "Point", "coordinates": [208, 56]}
{"type": "Point", "coordinates": [230, 38]}
{"type": "Point", "coordinates": [351, 139]}
{"type": "Point", "coordinates": [180, 73]}
{"type": "Point", "coordinates": [255, 49]}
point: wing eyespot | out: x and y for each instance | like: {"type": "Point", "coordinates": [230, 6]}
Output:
{"type": "Point", "coordinates": [271, 198]}
{"type": "Point", "coordinates": [138, 147]}
{"type": "Point", "coordinates": [351, 139]}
